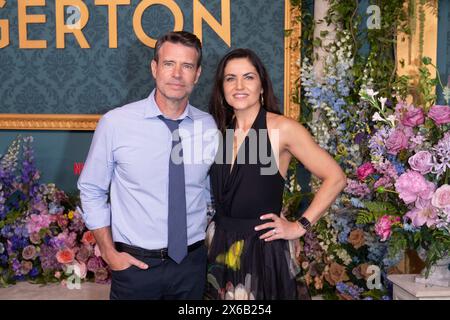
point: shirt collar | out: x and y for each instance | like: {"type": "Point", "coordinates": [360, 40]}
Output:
{"type": "Point", "coordinates": [152, 110]}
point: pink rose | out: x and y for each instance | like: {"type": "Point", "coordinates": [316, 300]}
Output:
{"type": "Point", "coordinates": [396, 142]}
{"type": "Point", "coordinates": [441, 198]}
{"type": "Point", "coordinates": [440, 114]}
{"type": "Point", "coordinates": [422, 162]}
{"type": "Point", "coordinates": [365, 170]}
{"type": "Point", "coordinates": [65, 256]}
{"type": "Point", "coordinates": [383, 228]}
{"type": "Point", "coordinates": [423, 213]}
{"type": "Point", "coordinates": [35, 238]}
{"type": "Point", "coordinates": [29, 252]}
{"type": "Point", "coordinates": [413, 117]}
{"type": "Point", "coordinates": [412, 185]}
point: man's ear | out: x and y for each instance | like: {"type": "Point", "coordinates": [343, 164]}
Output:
{"type": "Point", "coordinates": [153, 66]}
{"type": "Point", "coordinates": [197, 76]}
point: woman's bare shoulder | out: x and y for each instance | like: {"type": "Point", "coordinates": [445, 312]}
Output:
{"type": "Point", "coordinates": [282, 122]}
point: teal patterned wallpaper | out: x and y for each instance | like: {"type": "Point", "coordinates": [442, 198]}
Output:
{"type": "Point", "coordinates": [95, 80]}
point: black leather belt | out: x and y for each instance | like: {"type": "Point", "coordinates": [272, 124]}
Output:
{"type": "Point", "coordinates": [155, 253]}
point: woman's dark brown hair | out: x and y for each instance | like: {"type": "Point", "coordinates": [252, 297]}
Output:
{"type": "Point", "coordinates": [221, 111]}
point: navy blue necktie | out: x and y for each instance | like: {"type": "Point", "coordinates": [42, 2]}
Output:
{"type": "Point", "coordinates": [177, 226]}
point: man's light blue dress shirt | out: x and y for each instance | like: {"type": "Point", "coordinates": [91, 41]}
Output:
{"type": "Point", "coordinates": [129, 160]}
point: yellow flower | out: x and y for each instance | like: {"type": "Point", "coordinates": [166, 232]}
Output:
{"type": "Point", "coordinates": [70, 214]}
{"type": "Point", "coordinates": [232, 258]}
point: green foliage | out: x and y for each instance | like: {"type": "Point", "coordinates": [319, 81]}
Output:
{"type": "Point", "coordinates": [375, 210]}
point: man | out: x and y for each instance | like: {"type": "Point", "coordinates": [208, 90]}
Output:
{"type": "Point", "coordinates": [152, 232]}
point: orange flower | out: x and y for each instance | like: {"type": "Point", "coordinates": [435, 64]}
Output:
{"type": "Point", "coordinates": [356, 238]}
{"type": "Point", "coordinates": [65, 256]}
{"type": "Point", "coordinates": [88, 238]}
{"type": "Point", "coordinates": [335, 274]}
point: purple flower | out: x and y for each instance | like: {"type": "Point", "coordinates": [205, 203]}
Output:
{"type": "Point", "coordinates": [413, 117]}
{"type": "Point", "coordinates": [47, 256]}
{"type": "Point", "coordinates": [356, 188]}
{"type": "Point", "coordinates": [422, 162]}
{"type": "Point", "coordinates": [95, 263]}
{"type": "Point", "coordinates": [440, 114]}
{"type": "Point", "coordinates": [442, 155]}
{"type": "Point", "coordinates": [412, 185]}
{"type": "Point", "coordinates": [396, 142]}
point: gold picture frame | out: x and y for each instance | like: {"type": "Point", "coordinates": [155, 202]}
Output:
{"type": "Point", "coordinates": [88, 122]}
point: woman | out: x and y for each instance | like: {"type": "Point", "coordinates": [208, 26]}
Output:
{"type": "Point", "coordinates": [249, 258]}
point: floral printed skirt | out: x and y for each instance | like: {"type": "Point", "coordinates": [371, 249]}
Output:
{"type": "Point", "coordinates": [241, 266]}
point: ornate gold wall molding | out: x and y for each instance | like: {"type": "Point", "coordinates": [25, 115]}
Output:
{"type": "Point", "coordinates": [410, 49]}
{"type": "Point", "coordinates": [88, 122]}
{"type": "Point", "coordinates": [291, 59]}
{"type": "Point", "coordinates": [85, 122]}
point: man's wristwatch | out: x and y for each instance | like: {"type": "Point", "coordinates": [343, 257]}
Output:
{"type": "Point", "coordinates": [305, 223]}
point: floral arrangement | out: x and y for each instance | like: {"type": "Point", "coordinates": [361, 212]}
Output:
{"type": "Point", "coordinates": [395, 154]}
{"type": "Point", "coordinates": [42, 235]}
{"type": "Point", "coordinates": [404, 187]}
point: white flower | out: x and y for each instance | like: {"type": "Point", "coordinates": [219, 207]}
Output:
{"type": "Point", "coordinates": [240, 293]}
{"type": "Point", "coordinates": [391, 119]}
{"type": "Point", "coordinates": [376, 117]}
{"type": "Point", "coordinates": [383, 102]}
{"type": "Point", "coordinates": [371, 92]}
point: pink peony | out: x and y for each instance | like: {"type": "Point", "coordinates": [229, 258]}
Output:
{"type": "Point", "coordinates": [65, 256]}
{"type": "Point", "coordinates": [36, 222]}
{"type": "Point", "coordinates": [441, 198]}
{"type": "Point", "coordinates": [29, 252]}
{"type": "Point", "coordinates": [423, 213]}
{"type": "Point", "coordinates": [384, 225]}
{"type": "Point", "coordinates": [422, 162]}
{"type": "Point", "coordinates": [365, 170]}
{"type": "Point", "coordinates": [412, 185]}
{"type": "Point", "coordinates": [413, 117]}
{"type": "Point", "coordinates": [440, 114]}
{"type": "Point", "coordinates": [396, 141]}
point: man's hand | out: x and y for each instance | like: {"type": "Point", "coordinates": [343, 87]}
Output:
{"type": "Point", "coordinates": [119, 261]}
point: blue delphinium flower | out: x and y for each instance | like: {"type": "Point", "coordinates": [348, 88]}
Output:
{"type": "Point", "coordinates": [34, 272]}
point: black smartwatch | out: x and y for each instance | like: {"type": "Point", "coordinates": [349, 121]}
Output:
{"type": "Point", "coordinates": [305, 223]}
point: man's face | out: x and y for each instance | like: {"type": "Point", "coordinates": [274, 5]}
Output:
{"type": "Point", "coordinates": [176, 71]}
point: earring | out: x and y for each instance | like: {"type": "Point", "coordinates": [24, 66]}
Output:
{"type": "Point", "coordinates": [262, 100]}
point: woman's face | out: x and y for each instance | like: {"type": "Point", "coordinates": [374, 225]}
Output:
{"type": "Point", "coordinates": [241, 84]}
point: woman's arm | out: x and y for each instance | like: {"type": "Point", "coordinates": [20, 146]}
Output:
{"type": "Point", "coordinates": [296, 140]}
